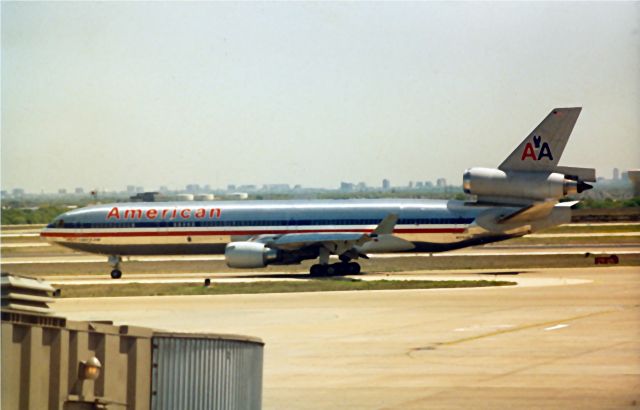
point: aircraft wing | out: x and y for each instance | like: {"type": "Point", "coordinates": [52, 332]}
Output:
{"type": "Point", "coordinates": [337, 242]}
{"type": "Point", "coordinates": [302, 240]}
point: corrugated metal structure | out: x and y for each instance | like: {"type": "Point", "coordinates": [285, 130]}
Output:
{"type": "Point", "coordinates": [206, 372]}
{"type": "Point", "coordinates": [49, 362]}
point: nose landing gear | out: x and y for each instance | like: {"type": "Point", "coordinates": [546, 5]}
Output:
{"type": "Point", "coordinates": [115, 261]}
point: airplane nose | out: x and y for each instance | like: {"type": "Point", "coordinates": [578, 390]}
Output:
{"type": "Point", "coordinates": [46, 233]}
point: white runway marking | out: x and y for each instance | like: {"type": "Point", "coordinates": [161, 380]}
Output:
{"type": "Point", "coordinates": [24, 245]}
{"type": "Point", "coordinates": [19, 235]}
{"type": "Point", "coordinates": [556, 327]}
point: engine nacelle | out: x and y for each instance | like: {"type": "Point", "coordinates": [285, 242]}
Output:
{"type": "Point", "coordinates": [494, 183]}
{"type": "Point", "coordinates": [249, 255]}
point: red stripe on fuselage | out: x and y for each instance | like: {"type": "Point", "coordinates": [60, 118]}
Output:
{"type": "Point", "coordinates": [230, 233]}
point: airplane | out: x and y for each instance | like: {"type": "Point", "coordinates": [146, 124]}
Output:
{"type": "Point", "coordinates": [522, 195]}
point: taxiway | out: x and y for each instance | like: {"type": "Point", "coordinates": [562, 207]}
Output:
{"type": "Point", "coordinates": [573, 345]}
{"type": "Point", "coordinates": [494, 250]}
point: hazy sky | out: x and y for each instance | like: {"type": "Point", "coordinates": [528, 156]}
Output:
{"type": "Point", "coordinates": [109, 94]}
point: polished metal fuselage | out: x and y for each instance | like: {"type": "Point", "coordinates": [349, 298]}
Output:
{"type": "Point", "coordinates": [206, 227]}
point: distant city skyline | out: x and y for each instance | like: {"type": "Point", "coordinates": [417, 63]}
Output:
{"type": "Point", "coordinates": [109, 94]}
{"type": "Point", "coordinates": [616, 176]}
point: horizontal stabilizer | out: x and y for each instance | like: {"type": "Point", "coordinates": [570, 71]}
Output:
{"type": "Point", "coordinates": [577, 173]}
{"type": "Point", "coordinates": [529, 213]}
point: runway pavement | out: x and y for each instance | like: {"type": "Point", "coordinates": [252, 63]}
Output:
{"type": "Point", "coordinates": [573, 345]}
{"type": "Point", "coordinates": [496, 250]}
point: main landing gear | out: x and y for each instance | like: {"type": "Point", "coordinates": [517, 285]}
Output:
{"type": "Point", "coordinates": [341, 268]}
{"type": "Point", "coordinates": [115, 261]}
{"type": "Point", "coordinates": [344, 267]}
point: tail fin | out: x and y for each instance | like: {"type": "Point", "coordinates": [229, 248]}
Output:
{"type": "Point", "coordinates": [541, 150]}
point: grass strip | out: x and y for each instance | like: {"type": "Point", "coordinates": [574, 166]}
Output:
{"type": "Point", "coordinates": [315, 285]}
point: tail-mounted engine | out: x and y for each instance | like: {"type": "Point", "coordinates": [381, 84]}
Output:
{"type": "Point", "coordinates": [496, 185]}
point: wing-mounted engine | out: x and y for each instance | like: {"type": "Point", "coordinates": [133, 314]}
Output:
{"type": "Point", "coordinates": [254, 254]}
{"type": "Point", "coordinates": [249, 255]}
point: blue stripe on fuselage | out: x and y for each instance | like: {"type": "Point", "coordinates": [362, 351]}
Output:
{"type": "Point", "coordinates": [254, 223]}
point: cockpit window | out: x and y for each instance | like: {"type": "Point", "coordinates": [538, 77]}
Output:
{"type": "Point", "coordinates": [60, 223]}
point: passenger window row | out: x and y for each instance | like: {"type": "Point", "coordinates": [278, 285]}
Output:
{"type": "Point", "coordinates": [304, 222]}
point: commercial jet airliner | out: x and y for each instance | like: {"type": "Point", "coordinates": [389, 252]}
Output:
{"type": "Point", "coordinates": [521, 196]}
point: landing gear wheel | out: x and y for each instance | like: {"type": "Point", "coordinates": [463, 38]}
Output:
{"type": "Point", "coordinates": [341, 268]}
{"type": "Point", "coordinates": [353, 268]}
{"type": "Point", "coordinates": [317, 270]}
{"type": "Point", "coordinates": [116, 274]}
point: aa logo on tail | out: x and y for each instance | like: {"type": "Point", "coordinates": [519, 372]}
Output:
{"type": "Point", "coordinates": [537, 150]}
